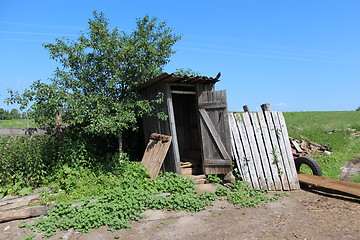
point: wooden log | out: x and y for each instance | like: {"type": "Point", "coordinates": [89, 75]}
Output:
{"type": "Point", "coordinates": [16, 202]}
{"type": "Point", "coordinates": [30, 212]}
{"type": "Point", "coordinates": [330, 185]}
{"type": "Point", "coordinates": [315, 144]}
{"type": "Point", "coordinates": [10, 202]}
{"type": "Point", "coordinates": [24, 213]}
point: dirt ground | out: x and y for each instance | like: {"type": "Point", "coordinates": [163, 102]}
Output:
{"type": "Point", "coordinates": [300, 215]}
{"type": "Point", "coordinates": [350, 169]}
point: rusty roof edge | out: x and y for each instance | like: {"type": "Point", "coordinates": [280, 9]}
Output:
{"type": "Point", "coordinates": [182, 78]}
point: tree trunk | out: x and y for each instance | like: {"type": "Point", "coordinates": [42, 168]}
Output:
{"type": "Point", "coordinates": [120, 142]}
{"type": "Point", "coordinates": [58, 124]}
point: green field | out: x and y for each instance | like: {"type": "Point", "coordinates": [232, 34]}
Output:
{"type": "Point", "coordinates": [17, 123]}
{"type": "Point", "coordinates": [314, 126]}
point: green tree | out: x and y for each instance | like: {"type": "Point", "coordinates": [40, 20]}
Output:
{"type": "Point", "coordinates": [188, 72]}
{"type": "Point", "coordinates": [96, 86]}
{"type": "Point", "coordinates": [4, 115]}
{"type": "Point", "coordinates": [15, 114]}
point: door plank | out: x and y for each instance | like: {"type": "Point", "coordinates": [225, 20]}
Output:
{"type": "Point", "coordinates": [155, 153]}
{"type": "Point", "coordinates": [214, 133]}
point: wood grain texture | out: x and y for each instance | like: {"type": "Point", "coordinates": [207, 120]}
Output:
{"type": "Point", "coordinates": [215, 132]}
{"type": "Point", "coordinates": [262, 151]}
{"type": "Point", "coordinates": [155, 153]}
{"type": "Point", "coordinates": [330, 185]}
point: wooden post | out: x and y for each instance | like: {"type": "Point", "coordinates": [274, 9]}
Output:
{"type": "Point", "coordinates": [58, 124]}
{"type": "Point", "coordinates": [246, 108]}
{"type": "Point", "coordinates": [265, 107]}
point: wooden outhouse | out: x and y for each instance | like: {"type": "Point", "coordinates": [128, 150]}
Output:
{"type": "Point", "coordinates": [197, 120]}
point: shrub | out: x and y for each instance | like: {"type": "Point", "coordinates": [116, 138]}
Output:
{"type": "Point", "coordinates": [31, 161]}
{"type": "Point", "coordinates": [25, 161]}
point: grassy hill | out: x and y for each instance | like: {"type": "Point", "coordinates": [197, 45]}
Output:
{"type": "Point", "coordinates": [314, 126]}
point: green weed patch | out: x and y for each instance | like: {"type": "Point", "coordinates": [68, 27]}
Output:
{"type": "Point", "coordinates": [127, 194]}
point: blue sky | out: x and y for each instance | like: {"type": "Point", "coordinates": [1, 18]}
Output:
{"type": "Point", "coordinates": [301, 55]}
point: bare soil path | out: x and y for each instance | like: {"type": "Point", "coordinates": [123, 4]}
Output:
{"type": "Point", "coordinates": [301, 215]}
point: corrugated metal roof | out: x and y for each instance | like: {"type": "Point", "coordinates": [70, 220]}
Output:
{"type": "Point", "coordinates": [175, 78]}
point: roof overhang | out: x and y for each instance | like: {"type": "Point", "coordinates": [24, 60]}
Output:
{"type": "Point", "coordinates": [183, 79]}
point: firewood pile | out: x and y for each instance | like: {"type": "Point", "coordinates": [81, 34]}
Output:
{"type": "Point", "coordinates": [307, 148]}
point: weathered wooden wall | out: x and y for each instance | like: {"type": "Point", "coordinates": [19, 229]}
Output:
{"type": "Point", "coordinates": [262, 151]}
{"type": "Point", "coordinates": [152, 124]}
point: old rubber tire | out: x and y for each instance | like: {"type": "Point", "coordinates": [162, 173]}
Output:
{"type": "Point", "coordinates": [314, 166]}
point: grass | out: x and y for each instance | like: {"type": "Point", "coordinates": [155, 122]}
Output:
{"type": "Point", "coordinates": [17, 123]}
{"type": "Point", "coordinates": [314, 126]}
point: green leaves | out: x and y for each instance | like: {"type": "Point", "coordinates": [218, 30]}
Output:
{"type": "Point", "coordinates": [96, 86]}
{"type": "Point", "coordinates": [21, 161]}
{"type": "Point", "coordinates": [122, 195]}
{"type": "Point", "coordinates": [242, 196]}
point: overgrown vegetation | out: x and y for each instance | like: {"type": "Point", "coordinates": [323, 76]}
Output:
{"type": "Point", "coordinates": [95, 87]}
{"type": "Point", "coordinates": [127, 193]}
{"type": "Point", "coordinates": [121, 197]}
{"type": "Point", "coordinates": [29, 162]}
{"type": "Point", "coordinates": [315, 125]}
{"type": "Point", "coordinates": [83, 168]}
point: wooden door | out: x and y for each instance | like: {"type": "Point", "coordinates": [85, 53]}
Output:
{"type": "Point", "coordinates": [215, 133]}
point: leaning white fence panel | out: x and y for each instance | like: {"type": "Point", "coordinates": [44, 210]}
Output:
{"type": "Point", "coordinates": [261, 150]}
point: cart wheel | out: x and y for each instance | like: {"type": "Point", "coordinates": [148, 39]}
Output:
{"type": "Point", "coordinates": [314, 166]}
